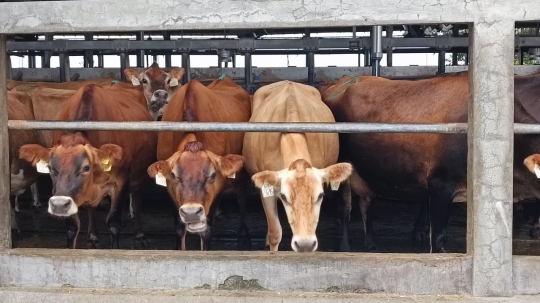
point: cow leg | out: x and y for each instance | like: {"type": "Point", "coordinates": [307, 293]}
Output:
{"type": "Point", "coordinates": [114, 218]}
{"type": "Point", "coordinates": [273, 237]}
{"type": "Point", "coordinates": [139, 239]}
{"type": "Point", "coordinates": [535, 231]}
{"type": "Point", "coordinates": [93, 241]}
{"type": "Point", "coordinates": [360, 187]}
{"type": "Point", "coordinates": [344, 215]}
{"type": "Point", "coordinates": [73, 226]}
{"type": "Point", "coordinates": [244, 240]}
{"type": "Point", "coordinates": [14, 219]}
{"type": "Point", "coordinates": [180, 230]}
{"type": "Point", "coordinates": [419, 230]}
{"type": "Point", "coordinates": [440, 202]}
{"type": "Point", "coordinates": [35, 195]}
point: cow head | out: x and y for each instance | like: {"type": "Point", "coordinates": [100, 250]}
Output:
{"type": "Point", "coordinates": [157, 86]}
{"type": "Point", "coordinates": [75, 167]}
{"type": "Point", "coordinates": [194, 178]}
{"type": "Point", "coordinates": [300, 188]}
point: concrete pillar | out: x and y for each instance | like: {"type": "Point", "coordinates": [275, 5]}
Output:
{"type": "Point", "coordinates": [490, 158]}
{"type": "Point", "coordinates": [5, 211]}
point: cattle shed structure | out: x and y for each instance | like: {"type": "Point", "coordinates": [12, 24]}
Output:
{"type": "Point", "coordinates": [487, 269]}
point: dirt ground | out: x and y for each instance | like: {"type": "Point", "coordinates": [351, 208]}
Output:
{"type": "Point", "coordinates": [393, 222]}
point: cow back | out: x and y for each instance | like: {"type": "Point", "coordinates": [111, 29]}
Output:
{"type": "Point", "coordinates": [287, 101]}
{"type": "Point", "coordinates": [220, 101]}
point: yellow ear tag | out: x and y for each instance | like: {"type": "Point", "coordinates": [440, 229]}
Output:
{"type": "Point", "coordinates": [107, 165]}
{"type": "Point", "coordinates": [174, 82]}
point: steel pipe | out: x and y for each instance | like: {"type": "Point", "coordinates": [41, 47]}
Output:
{"type": "Point", "coordinates": [376, 51]}
{"type": "Point", "coordinates": [242, 126]}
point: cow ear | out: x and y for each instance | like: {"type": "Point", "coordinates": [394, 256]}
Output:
{"type": "Point", "coordinates": [532, 162]}
{"type": "Point", "coordinates": [108, 154]}
{"type": "Point", "coordinates": [337, 173]}
{"type": "Point", "coordinates": [34, 153]}
{"type": "Point", "coordinates": [230, 164]}
{"type": "Point", "coordinates": [176, 75]}
{"type": "Point", "coordinates": [265, 177]}
{"type": "Point", "coordinates": [133, 76]}
{"type": "Point", "coordinates": [160, 166]}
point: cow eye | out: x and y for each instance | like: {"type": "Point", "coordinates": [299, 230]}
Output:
{"type": "Point", "coordinates": [169, 81]}
{"type": "Point", "coordinates": [173, 175]}
{"type": "Point", "coordinates": [144, 81]}
{"type": "Point", "coordinates": [321, 195]}
{"type": "Point", "coordinates": [212, 177]}
{"type": "Point", "coordinates": [86, 168]}
{"type": "Point", "coordinates": [283, 198]}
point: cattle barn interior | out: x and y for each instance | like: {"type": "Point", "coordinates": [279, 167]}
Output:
{"type": "Point", "coordinates": [393, 219]}
{"type": "Point", "coordinates": [492, 247]}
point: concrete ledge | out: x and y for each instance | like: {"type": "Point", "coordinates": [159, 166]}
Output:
{"type": "Point", "coordinates": [526, 270]}
{"type": "Point", "coordinates": [75, 295]}
{"type": "Point", "coordinates": [283, 271]}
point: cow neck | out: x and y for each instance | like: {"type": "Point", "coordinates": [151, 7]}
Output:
{"type": "Point", "coordinates": [188, 137]}
{"type": "Point", "coordinates": [293, 147]}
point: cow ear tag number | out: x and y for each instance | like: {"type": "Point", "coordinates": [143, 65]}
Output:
{"type": "Point", "coordinates": [160, 179]}
{"type": "Point", "coordinates": [43, 167]}
{"type": "Point", "coordinates": [267, 190]}
{"type": "Point", "coordinates": [107, 165]}
{"type": "Point", "coordinates": [537, 170]}
{"type": "Point", "coordinates": [334, 186]}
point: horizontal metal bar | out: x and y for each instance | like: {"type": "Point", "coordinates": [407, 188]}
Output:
{"type": "Point", "coordinates": [242, 127]}
{"type": "Point", "coordinates": [238, 44]}
{"type": "Point", "coordinates": [520, 128]}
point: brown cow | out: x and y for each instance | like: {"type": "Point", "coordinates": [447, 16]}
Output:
{"type": "Point", "coordinates": [199, 167]}
{"type": "Point", "coordinates": [157, 86]}
{"type": "Point", "coordinates": [23, 175]}
{"type": "Point", "coordinates": [292, 166]}
{"type": "Point", "coordinates": [423, 166]}
{"type": "Point", "coordinates": [86, 166]}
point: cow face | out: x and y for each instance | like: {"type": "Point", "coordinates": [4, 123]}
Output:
{"type": "Point", "coordinates": [75, 168]}
{"type": "Point", "coordinates": [300, 188]}
{"type": "Point", "coordinates": [157, 86]}
{"type": "Point", "coordinates": [194, 178]}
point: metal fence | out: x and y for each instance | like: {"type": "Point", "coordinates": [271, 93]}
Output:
{"type": "Point", "coordinates": [487, 269]}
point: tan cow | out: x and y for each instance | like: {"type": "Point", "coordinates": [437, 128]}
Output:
{"type": "Point", "coordinates": [199, 167]}
{"type": "Point", "coordinates": [292, 166]}
{"type": "Point", "coordinates": [157, 86]}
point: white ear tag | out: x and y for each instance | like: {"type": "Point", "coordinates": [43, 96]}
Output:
{"type": "Point", "coordinates": [174, 82]}
{"type": "Point", "coordinates": [160, 179]}
{"type": "Point", "coordinates": [537, 170]}
{"type": "Point", "coordinates": [334, 186]}
{"type": "Point", "coordinates": [267, 190]}
{"type": "Point", "coordinates": [135, 81]}
{"type": "Point", "coordinates": [43, 167]}
{"type": "Point", "coordinates": [232, 176]}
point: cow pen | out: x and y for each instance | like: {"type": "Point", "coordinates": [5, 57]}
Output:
{"type": "Point", "coordinates": [487, 269]}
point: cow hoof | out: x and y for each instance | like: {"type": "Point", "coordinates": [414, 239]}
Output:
{"type": "Point", "coordinates": [93, 244]}
{"type": "Point", "coordinates": [535, 232]}
{"type": "Point", "coordinates": [140, 242]}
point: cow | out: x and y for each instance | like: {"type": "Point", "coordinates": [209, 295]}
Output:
{"type": "Point", "coordinates": [424, 167]}
{"type": "Point", "coordinates": [22, 174]}
{"type": "Point", "coordinates": [293, 167]}
{"type": "Point", "coordinates": [199, 167]}
{"type": "Point", "coordinates": [157, 86]}
{"type": "Point", "coordinates": [86, 166]}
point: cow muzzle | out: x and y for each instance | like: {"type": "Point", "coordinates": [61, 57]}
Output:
{"type": "Point", "coordinates": [194, 218]}
{"type": "Point", "coordinates": [62, 206]}
{"type": "Point", "coordinates": [304, 244]}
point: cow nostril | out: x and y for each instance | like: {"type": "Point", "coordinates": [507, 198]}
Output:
{"type": "Point", "coordinates": [296, 244]}
{"type": "Point", "coordinates": [159, 118]}
{"type": "Point", "coordinates": [183, 212]}
{"type": "Point", "coordinates": [199, 212]}
{"type": "Point", "coordinates": [66, 204]}
{"type": "Point", "coordinates": [313, 245]}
